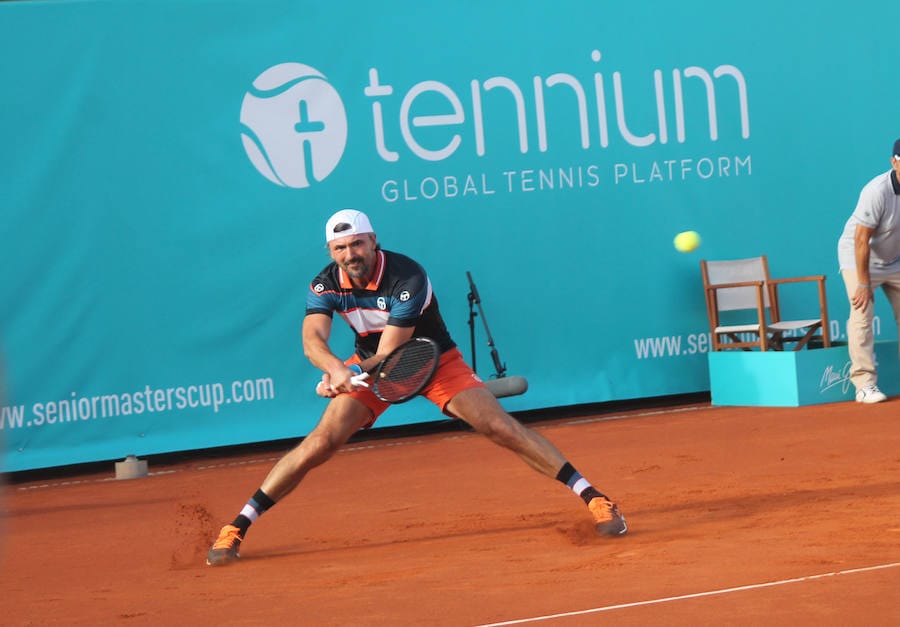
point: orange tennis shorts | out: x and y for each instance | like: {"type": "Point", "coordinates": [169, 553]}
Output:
{"type": "Point", "coordinates": [452, 377]}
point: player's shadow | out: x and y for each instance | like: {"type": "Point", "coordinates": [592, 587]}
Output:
{"type": "Point", "coordinates": [578, 532]}
{"type": "Point", "coordinates": [758, 501]}
{"type": "Point", "coordinates": [749, 509]}
{"type": "Point", "coordinates": [643, 522]}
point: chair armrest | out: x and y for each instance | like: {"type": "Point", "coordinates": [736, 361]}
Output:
{"type": "Point", "coordinates": [798, 279]}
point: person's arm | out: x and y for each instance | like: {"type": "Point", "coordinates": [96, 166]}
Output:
{"type": "Point", "coordinates": [863, 295]}
{"type": "Point", "coordinates": [316, 331]}
{"type": "Point", "coordinates": [391, 338]}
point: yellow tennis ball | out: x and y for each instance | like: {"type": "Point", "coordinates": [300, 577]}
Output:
{"type": "Point", "coordinates": [686, 241]}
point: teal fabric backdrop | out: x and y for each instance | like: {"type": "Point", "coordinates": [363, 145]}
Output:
{"type": "Point", "coordinates": [167, 168]}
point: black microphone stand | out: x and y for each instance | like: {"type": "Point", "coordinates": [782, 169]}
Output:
{"type": "Point", "coordinates": [475, 300]}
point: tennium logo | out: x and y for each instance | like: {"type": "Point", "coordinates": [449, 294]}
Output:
{"type": "Point", "coordinates": [295, 129]}
{"type": "Point", "coordinates": [294, 126]}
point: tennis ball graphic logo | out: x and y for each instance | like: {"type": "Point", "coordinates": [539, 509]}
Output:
{"type": "Point", "coordinates": [293, 125]}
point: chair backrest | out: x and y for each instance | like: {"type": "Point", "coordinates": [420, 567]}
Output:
{"type": "Point", "coordinates": [738, 271]}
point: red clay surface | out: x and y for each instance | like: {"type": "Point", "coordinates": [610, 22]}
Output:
{"type": "Point", "coordinates": [447, 529]}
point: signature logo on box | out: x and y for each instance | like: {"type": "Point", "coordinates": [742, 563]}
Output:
{"type": "Point", "coordinates": [832, 378]}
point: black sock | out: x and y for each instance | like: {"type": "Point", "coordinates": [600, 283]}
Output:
{"type": "Point", "coordinates": [255, 507]}
{"type": "Point", "coordinates": [578, 484]}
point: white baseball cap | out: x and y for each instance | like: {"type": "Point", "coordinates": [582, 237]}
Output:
{"type": "Point", "coordinates": [347, 222]}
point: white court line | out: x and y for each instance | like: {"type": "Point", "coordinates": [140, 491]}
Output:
{"type": "Point", "coordinates": [695, 595]}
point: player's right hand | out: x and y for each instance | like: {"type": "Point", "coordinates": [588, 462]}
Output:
{"type": "Point", "coordinates": [862, 298]}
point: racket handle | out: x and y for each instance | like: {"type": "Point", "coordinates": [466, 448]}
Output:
{"type": "Point", "coordinates": [359, 380]}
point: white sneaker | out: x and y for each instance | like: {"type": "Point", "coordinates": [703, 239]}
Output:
{"type": "Point", "coordinates": [870, 394]}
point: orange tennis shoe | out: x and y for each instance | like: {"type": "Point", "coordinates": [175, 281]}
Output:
{"type": "Point", "coordinates": [226, 548]}
{"type": "Point", "coordinates": [607, 518]}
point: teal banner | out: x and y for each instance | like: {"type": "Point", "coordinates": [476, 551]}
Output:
{"type": "Point", "coordinates": [166, 170]}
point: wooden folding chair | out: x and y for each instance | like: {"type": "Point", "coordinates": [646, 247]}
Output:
{"type": "Point", "coordinates": [743, 291]}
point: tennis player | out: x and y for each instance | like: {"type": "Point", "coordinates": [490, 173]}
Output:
{"type": "Point", "coordinates": [387, 299]}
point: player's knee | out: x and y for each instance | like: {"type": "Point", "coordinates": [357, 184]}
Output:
{"type": "Point", "coordinates": [503, 429]}
{"type": "Point", "coordinates": [320, 446]}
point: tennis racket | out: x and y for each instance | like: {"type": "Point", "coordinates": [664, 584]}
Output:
{"type": "Point", "coordinates": [405, 372]}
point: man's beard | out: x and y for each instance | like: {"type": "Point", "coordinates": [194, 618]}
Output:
{"type": "Point", "coordinates": [362, 268]}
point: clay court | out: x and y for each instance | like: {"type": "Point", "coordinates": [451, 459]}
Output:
{"type": "Point", "coordinates": [737, 516]}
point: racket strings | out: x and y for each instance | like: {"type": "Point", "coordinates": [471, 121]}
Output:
{"type": "Point", "coordinates": [405, 373]}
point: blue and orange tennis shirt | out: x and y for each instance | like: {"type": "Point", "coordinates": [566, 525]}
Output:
{"type": "Point", "coordinates": [399, 294]}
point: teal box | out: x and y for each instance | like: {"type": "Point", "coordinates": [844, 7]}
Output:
{"type": "Point", "coordinates": [795, 378]}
